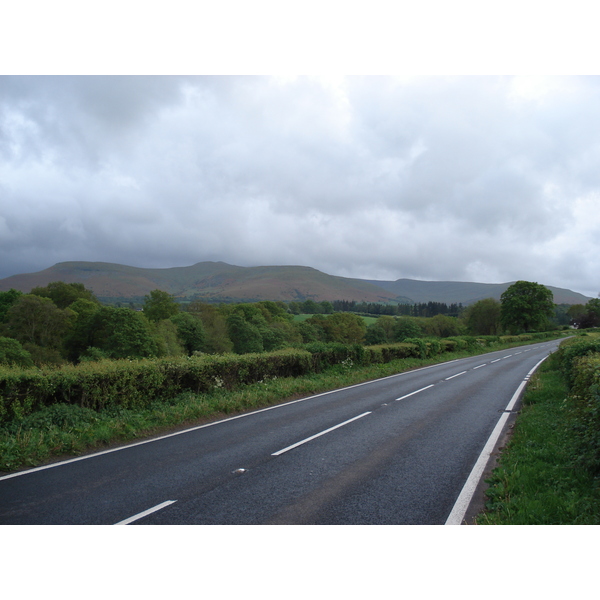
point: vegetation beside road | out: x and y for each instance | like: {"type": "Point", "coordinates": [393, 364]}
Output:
{"type": "Point", "coordinates": [76, 374]}
{"type": "Point", "coordinates": [31, 435]}
{"type": "Point", "coordinates": [549, 472]}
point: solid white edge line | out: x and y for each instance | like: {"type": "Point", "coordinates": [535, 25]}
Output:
{"type": "Point", "coordinates": [415, 392]}
{"type": "Point", "coordinates": [466, 495]}
{"type": "Point", "coordinates": [146, 512]}
{"type": "Point", "coordinates": [312, 437]}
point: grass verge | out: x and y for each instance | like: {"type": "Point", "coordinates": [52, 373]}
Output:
{"type": "Point", "coordinates": [539, 480]}
{"type": "Point", "coordinates": [61, 431]}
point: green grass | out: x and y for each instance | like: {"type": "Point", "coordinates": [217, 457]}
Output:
{"type": "Point", "coordinates": [303, 317]}
{"type": "Point", "coordinates": [539, 480]}
{"type": "Point", "coordinates": [60, 431]}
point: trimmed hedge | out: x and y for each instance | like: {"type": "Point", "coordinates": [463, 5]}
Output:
{"type": "Point", "coordinates": [138, 383]}
{"type": "Point", "coordinates": [579, 361]}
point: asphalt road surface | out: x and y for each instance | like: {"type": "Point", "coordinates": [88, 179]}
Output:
{"type": "Point", "coordinates": [393, 451]}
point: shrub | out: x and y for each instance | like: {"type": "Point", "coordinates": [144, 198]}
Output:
{"type": "Point", "coordinates": [585, 399]}
{"type": "Point", "coordinates": [571, 350]}
{"type": "Point", "coordinates": [13, 354]}
{"type": "Point", "coordinates": [421, 346]}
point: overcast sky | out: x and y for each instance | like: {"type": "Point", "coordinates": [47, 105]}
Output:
{"type": "Point", "coordinates": [463, 178]}
{"type": "Point", "coordinates": [440, 173]}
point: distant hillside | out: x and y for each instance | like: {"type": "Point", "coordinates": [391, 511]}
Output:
{"type": "Point", "coordinates": [464, 292]}
{"type": "Point", "coordinates": [209, 281]}
{"type": "Point", "coordinates": [220, 282]}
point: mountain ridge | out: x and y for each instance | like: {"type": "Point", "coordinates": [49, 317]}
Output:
{"type": "Point", "coordinates": [219, 281]}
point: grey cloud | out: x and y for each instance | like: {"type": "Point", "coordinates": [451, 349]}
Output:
{"type": "Point", "coordinates": [434, 178]}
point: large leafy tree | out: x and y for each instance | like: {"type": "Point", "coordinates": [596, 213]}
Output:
{"type": "Point", "coordinates": [38, 321]}
{"type": "Point", "coordinates": [190, 331]}
{"type": "Point", "coordinates": [122, 333]}
{"type": "Point", "coordinates": [483, 317]}
{"type": "Point", "coordinates": [407, 327]}
{"type": "Point", "coordinates": [526, 306]}
{"type": "Point", "coordinates": [245, 335]}
{"type": "Point", "coordinates": [159, 305]}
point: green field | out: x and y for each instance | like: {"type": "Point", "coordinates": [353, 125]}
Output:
{"type": "Point", "coordinates": [300, 318]}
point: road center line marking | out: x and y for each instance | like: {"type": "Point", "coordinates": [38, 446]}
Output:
{"type": "Point", "coordinates": [413, 393]}
{"type": "Point", "coordinates": [453, 376]}
{"type": "Point", "coordinates": [146, 512]}
{"type": "Point", "coordinates": [497, 360]}
{"type": "Point", "coordinates": [479, 367]}
{"type": "Point", "coordinates": [312, 437]}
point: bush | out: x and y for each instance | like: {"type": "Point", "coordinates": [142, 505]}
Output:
{"type": "Point", "coordinates": [585, 399]}
{"type": "Point", "coordinates": [573, 349]}
{"type": "Point", "coordinates": [13, 354]}
{"type": "Point", "coordinates": [133, 384]}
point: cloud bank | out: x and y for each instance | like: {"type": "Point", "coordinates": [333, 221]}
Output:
{"type": "Point", "coordinates": [480, 178]}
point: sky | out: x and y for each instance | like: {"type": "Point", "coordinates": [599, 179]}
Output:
{"type": "Point", "coordinates": [457, 176]}
{"type": "Point", "coordinates": [430, 140]}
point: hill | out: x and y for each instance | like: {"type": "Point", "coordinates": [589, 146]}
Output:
{"type": "Point", "coordinates": [221, 282]}
{"type": "Point", "coordinates": [465, 292]}
{"type": "Point", "coordinates": [208, 281]}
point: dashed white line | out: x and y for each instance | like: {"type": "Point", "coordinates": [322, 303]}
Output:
{"type": "Point", "coordinates": [453, 376]}
{"type": "Point", "coordinates": [497, 360]}
{"type": "Point", "coordinates": [146, 512]}
{"type": "Point", "coordinates": [479, 367]}
{"type": "Point", "coordinates": [312, 437]}
{"type": "Point", "coordinates": [415, 392]}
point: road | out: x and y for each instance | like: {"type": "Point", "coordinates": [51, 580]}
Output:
{"type": "Point", "coordinates": [393, 451]}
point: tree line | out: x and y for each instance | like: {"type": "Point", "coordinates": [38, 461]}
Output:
{"type": "Point", "coordinates": [418, 309]}
{"type": "Point", "coordinates": [65, 322]}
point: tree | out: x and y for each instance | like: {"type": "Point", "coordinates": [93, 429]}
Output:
{"type": "Point", "coordinates": [7, 299]}
{"type": "Point", "coordinates": [64, 294]}
{"type": "Point", "coordinates": [526, 306]}
{"type": "Point", "coordinates": [81, 335]}
{"type": "Point", "coordinates": [345, 328]}
{"type": "Point", "coordinates": [190, 331]}
{"type": "Point", "coordinates": [38, 321]}
{"type": "Point", "coordinates": [215, 327]}
{"type": "Point", "coordinates": [442, 326]}
{"type": "Point", "coordinates": [375, 335]}
{"type": "Point", "coordinates": [406, 328]}
{"type": "Point", "coordinates": [159, 305]}
{"type": "Point", "coordinates": [245, 335]}
{"type": "Point", "coordinates": [13, 354]}
{"type": "Point", "coordinates": [576, 312]}
{"type": "Point", "coordinates": [122, 333]}
{"type": "Point", "coordinates": [167, 340]}
{"type": "Point", "coordinates": [483, 317]}
{"type": "Point", "coordinates": [591, 316]}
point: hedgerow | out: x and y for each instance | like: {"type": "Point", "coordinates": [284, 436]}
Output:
{"type": "Point", "coordinates": [579, 361]}
{"type": "Point", "coordinates": [132, 384]}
